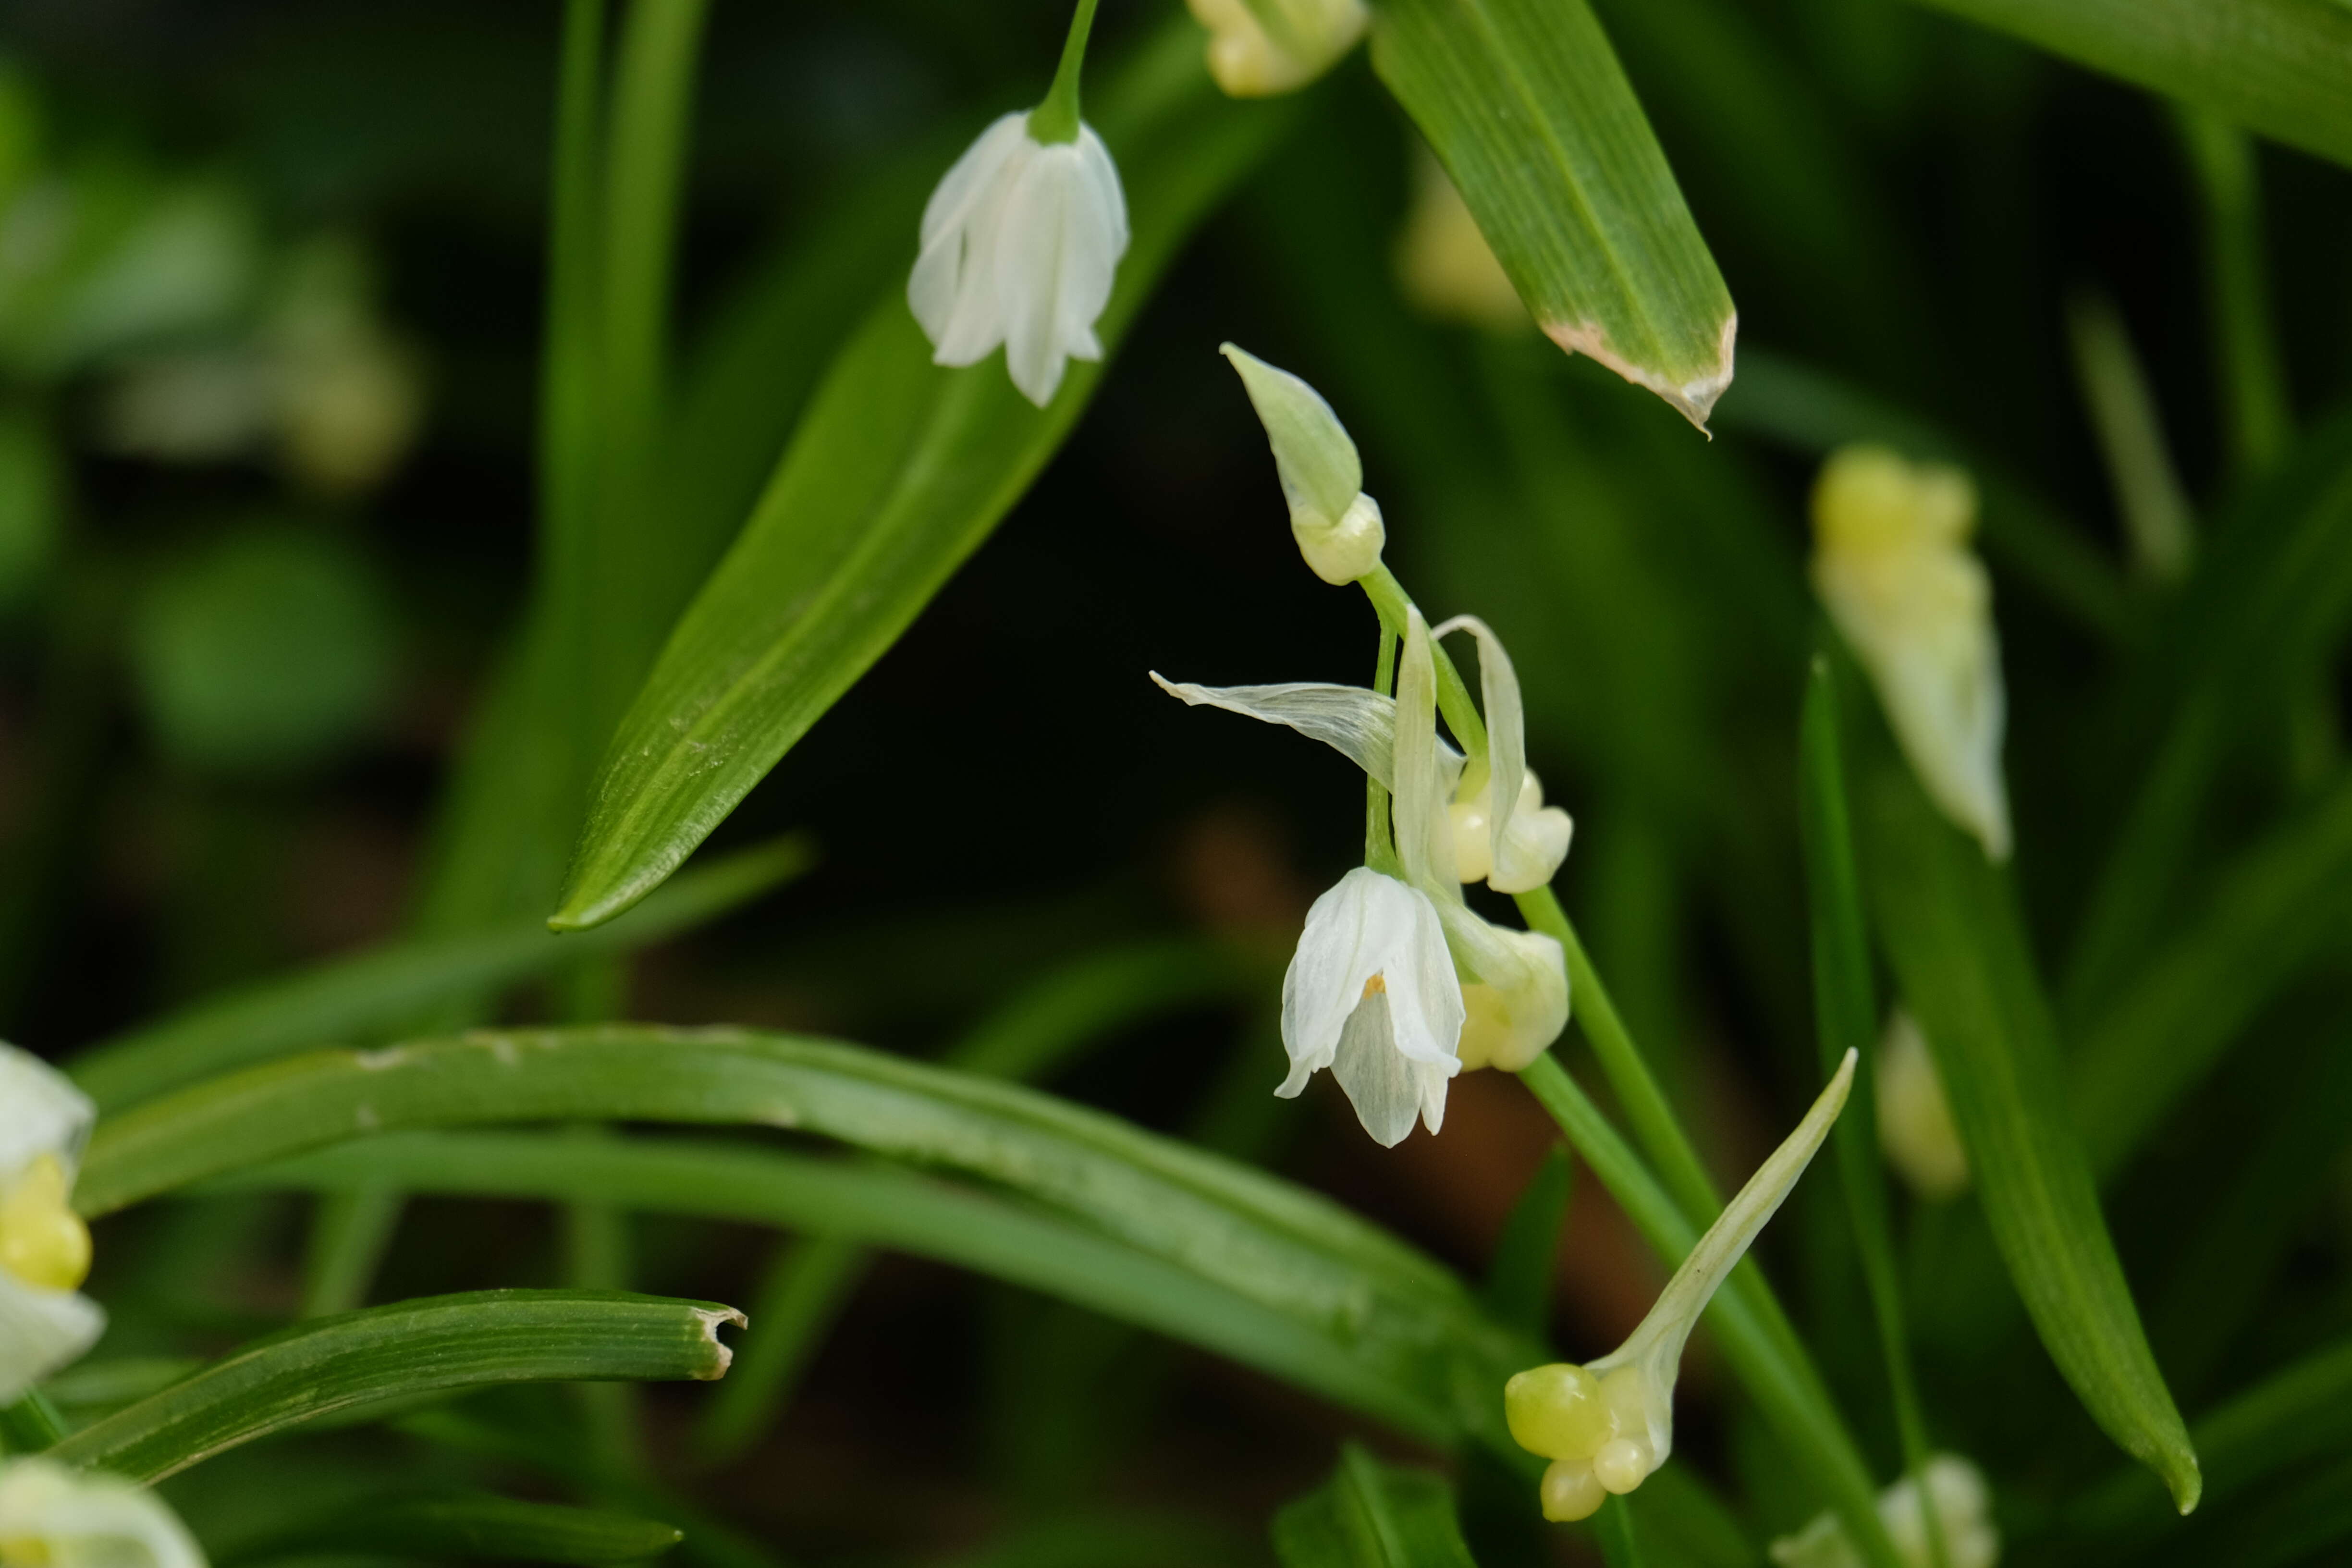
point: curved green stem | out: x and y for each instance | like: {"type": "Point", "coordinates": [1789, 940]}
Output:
{"type": "Point", "coordinates": [1056, 119]}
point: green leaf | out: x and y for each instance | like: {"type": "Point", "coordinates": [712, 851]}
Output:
{"type": "Point", "coordinates": [1952, 930]}
{"type": "Point", "coordinates": [367, 993]}
{"type": "Point", "coordinates": [1612, 1526]}
{"type": "Point", "coordinates": [397, 1354]}
{"type": "Point", "coordinates": [1532, 116]}
{"type": "Point", "coordinates": [1299, 1258]}
{"type": "Point", "coordinates": [473, 1529]}
{"type": "Point", "coordinates": [1519, 1280]}
{"type": "Point", "coordinates": [2275, 66]}
{"type": "Point", "coordinates": [898, 471]}
{"type": "Point", "coordinates": [2283, 904]}
{"type": "Point", "coordinates": [1370, 1515]}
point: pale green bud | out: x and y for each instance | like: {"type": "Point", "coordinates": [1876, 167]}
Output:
{"type": "Point", "coordinates": [1337, 527]}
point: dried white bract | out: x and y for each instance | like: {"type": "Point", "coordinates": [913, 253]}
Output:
{"type": "Point", "coordinates": [43, 1245]}
{"type": "Point", "coordinates": [1915, 1129]}
{"type": "Point", "coordinates": [1260, 47]}
{"type": "Point", "coordinates": [1891, 563]}
{"type": "Point", "coordinates": [1519, 847]}
{"type": "Point", "coordinates": [54, 1517]}
{"type": "Point", "coordinates": [1020, 244]}
{"type": "Point", "coordinates": [1336, 525]}
{"type": "Point", "coordinates": [1606, 1424]}
{"type": "Point", "coordinates": [1963, 1505]}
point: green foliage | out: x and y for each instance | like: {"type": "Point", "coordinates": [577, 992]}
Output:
{"type": "Point", "coordinates": [1370, 1515]}
{"type": "Point", "coordinates": [472, 1530]}
{"type": "Point", "coordinates": [1533, 117]}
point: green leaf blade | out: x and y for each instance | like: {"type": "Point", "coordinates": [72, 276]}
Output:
{"type": "Point", "coordinates": [1532, 116]}
{"type": "Point", "coordinates": [1370, 1515]}
{"type": "Point", "coordinates": [473, 1529]}
{"type": "Point", "coordinates": [399, 1352]}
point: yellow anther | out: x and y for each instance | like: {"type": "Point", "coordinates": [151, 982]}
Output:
{"type": "Point", "coordinates": [1571, 1491]}
{"type": "Point", "coordinates": [1557, 1411]}
{"type": "Point", "coordinates": [42, 1241]}
{"type": "Point", "coordinates": [1376, 986]}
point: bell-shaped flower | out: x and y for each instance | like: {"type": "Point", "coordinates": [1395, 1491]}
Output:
{"type": "Point", "coordinates": [1259, 47]}
{"type": "Point", "coordinates": [43, 1245]}
{"type": "Point", "coordinates": [1336, 525]}
{"type": "Point", "coordinates": [1519, 849]}
{"type": "Point", "coordinates": [1020, 243]}
{"type": "Point", "coordinates": [1891, 563]}
{"type": "Point", "coordinates": [52, 1516]}
{"type": "Point", "coordinates": [1963, 1507]}
{"type": "Point", "coordinates": [1915, 1129]}
{"type": "Point", "coordinates": [1606, 1424]}
{"type": "Point", "coordinates": [1371, 994]}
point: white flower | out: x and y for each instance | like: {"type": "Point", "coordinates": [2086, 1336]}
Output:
{"type": "Point", "coordinates": [1891, 563]}
{"type": "Point", "coordinates": [1963, 1505]}
{"type": "Point", "coordinates": [1020, 243]}
{"type": "Point", "coordinates": [1258, 48]}
{"type": "Point", "coordinates": [1336, 525]}
{"type": "Point", "coordinates": [1915, 1129]}
{"type": "Point", "coordinates": [1606, 1424]}
{"type": "Point", "coordinates": [43, 1245]}
{"type": "Point", "coordinates": [54, 1517]}
{"type": "Point", "coordinates": [1520, 849]}
{"type": "Point", "coordinates": [1371, 994]}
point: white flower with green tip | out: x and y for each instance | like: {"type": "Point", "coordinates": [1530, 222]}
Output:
{"type": "Point", "coordinates": [44, 1244]}
{"type": "Point", "coordinates": [1607, 1425]}
{"type": "Point", "coordinates": [55, 1517]}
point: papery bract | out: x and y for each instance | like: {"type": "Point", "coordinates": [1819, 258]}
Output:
{"type": "Point", "coordinates": [1338, 527]}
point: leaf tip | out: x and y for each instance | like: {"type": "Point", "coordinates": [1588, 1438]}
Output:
{"type": "Point", "coordinates": [712, 1319]}
{"type": "Point", "coordinates": [1694, 398]}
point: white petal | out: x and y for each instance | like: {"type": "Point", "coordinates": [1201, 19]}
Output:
{"type": "Point", "coordinates": [943, 267]}
{"type": "Point", "coordinates": [1064, 228]}
{"type": "Point", "coordinates": [1528, 854]}
{"type": "Point", "coordinates": [978, 322]}
{"type": "Point", "coordinates": [1424, 834]}
{"type": "Point", "coordinates": [41, 1112]}
{"type": "Point", "coordinates": [1313, 454]}
{"type": "Point", "coordinates": [1424, 993]}
{"type": "Point", "coordinates": [1507, 728]}
{"type": "Point", "coordinates": [1106, 198]}
{"type": "Point", "coordinates": [1392, 1045]}
{"type": "Point", "coordinates": [1341, 948]}
{"type": "Point", "coordinates": [40, 1333]}
{"type": "Point", "coordinates": [90, 1520]}
{"type": "Point", "coordinates": [1382, 1085]}
{"type": "Point", "coordinates": [1520, 1004]}
{"type": "Point", "coordinates": [1354, 720]}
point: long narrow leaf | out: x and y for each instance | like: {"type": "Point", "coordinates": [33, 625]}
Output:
{"type": "Point", "coordinates": [898, 473]}
{"type": "Point", "coordinates": [1952, 930]}
{"type": "Point", "coordinates": [2276, 66]}
{"type": "Point", "coordinates": [398, 1353]}
{"type": "Point", "coordinates": [1532, 116]}
{"type": "Point", "coordinates": [470, 1530]}
{"type": "Point", "coordinates": [1370, 1515]}
{"type": "Point", "coordinates": [349, 998]}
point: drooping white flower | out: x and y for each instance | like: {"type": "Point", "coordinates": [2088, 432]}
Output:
{"type": "Point", "coordinates": [1892, 564]}
{"type": "Point", "coordinates": [43, 1245]}
{"type": "Point", "coordinates": [1606, 1424]}
{"type": "Point", "coordinates": [1963, 1505]}
{"type": "Point", "coordinates": [1915, 1129]}
{"type": "Point", "coordinates": [1020, 243]}
{"type": "Point", "coordinates": [52, 1516]}
{"type": "Point", "coordinates": [1519, 849]}
{"type": "Point", "coordinates": [1259, 47]}
{"type": "Point", "coordinates": [1371, 994]}
{"type": "Point", "coordinates": [1336, 525]}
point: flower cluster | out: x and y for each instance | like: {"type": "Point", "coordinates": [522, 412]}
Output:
{"type": "Point", "coordinates": [1963, 1509]}
{"type": "Point", "coordinates": [54, 1517]}
{"type": "Point", "coordinates": [1606, 1424]}
{"type": "Point", "coordinates": [1396, 984]}
{"type": "Point", "coordinates": [43, 1245]}
{"type": "Point", "coordinates": [1892, 565]}
{"type": "Point", "coordinates": [1260, 47]}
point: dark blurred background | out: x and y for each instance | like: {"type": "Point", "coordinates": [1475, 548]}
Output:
{"type": "Point", "coordinates": [235, 657]}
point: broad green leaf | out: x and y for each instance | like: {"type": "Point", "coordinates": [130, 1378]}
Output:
{"type": "Point", "coordinates": [1370, 1515]}
{"type": "Point", "coordinates": [2282, 905]}
{"type": "Point", "coordinates": [899, 469]}
{"type": "Point", "coordinates": [1398, 1358]}
{"type": "Point", "coordinates": [2274, 66]}
{"type": "Point", "coordinates": [1296, 1255]}
{"type": "Point", "coordinates": [1952, 927]}
{"type": "Point", "coordinates": [1529, 111]}
{"type": "Point", "coordinates": [399, 1352]}
{"type": "Point", "coordinates": [1519, 1280]}
{"type": "Point", "coordinates": [470, 1528]}
{"type": "Point", "coordinates": [368, 993]}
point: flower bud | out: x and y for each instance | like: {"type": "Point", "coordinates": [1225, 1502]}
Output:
{"type": "Point", "coordinates": [1337, 527]}
{"type": "Point", "coordinates": [1259, 47]}
{"type": "Point", "coordinates": [1915, 1129]}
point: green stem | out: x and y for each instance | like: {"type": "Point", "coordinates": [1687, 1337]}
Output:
{"type": "Point", "coordinates": [1392, 602]}
{"type": "Point", "coordinates": [1376, 850]}
{"type": "Point", "coordinates": [29, 1425]}
{"type": "Point", "coordinates": [1056, 119]}
{"type": "Point", "coordinates": [2245, 341]}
